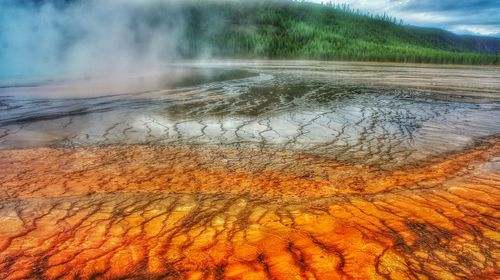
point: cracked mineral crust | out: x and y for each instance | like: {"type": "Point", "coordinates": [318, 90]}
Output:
{"type": "Point", "coordinates": [270, 170]}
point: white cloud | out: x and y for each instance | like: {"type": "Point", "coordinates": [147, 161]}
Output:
{"type": "Point", "coordinates": [463, 17]}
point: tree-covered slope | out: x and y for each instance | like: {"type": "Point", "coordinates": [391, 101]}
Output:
{"type": "Point", "coordinates": [286, 29]}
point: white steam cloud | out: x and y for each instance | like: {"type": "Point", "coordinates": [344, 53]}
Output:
{"type": "Point", "coordinates": [86, 38]}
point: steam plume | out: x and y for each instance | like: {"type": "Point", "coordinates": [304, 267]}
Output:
{"type": "Point", "coordinates": [86, 38]}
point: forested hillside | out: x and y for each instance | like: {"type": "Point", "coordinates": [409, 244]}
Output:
{"type": "Point", "coordinates": [285, 29]}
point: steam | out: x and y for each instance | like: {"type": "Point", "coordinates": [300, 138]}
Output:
{"type": "Point", "coordinates": [86, 38]}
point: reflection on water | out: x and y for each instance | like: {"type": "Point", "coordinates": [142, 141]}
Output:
{"type": "Point", "coordinates": [349, 112]}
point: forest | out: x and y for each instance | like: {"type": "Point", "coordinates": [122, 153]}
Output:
{"type": "Point", "coordinates": [301, 30]}
{"type": "Point", "coordinates": [287, 29]}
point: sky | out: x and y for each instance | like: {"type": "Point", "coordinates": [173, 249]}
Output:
{"type": "Point", "coordinates": [477, 17]}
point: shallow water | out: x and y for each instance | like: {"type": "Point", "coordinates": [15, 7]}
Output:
{"type": "Point", "coordinates": [253, 170]}
{"type": "Point", "coordinates": [350, 112]}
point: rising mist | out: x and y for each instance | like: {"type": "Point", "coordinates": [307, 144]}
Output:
{"type": "Point", "coordinates": [87, 38]}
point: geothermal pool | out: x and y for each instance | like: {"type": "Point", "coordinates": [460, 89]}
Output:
{"type": "Point", "coordinates": [253, 170]}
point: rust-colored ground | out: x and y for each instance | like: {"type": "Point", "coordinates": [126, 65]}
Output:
{"type": "Point", "coordinates": [197, 212]}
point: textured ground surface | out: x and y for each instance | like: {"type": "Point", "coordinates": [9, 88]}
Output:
{"type": "Point", "coordinates": [326, 171]}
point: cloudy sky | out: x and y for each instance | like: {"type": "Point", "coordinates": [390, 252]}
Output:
{"type": "Point", "coordinates": [459, 16]}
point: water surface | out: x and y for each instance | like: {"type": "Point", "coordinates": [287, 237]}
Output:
{"type": "Point", "coordinates": [253, 170]}
{"type": "Point", "coordinates": [382, 114]}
